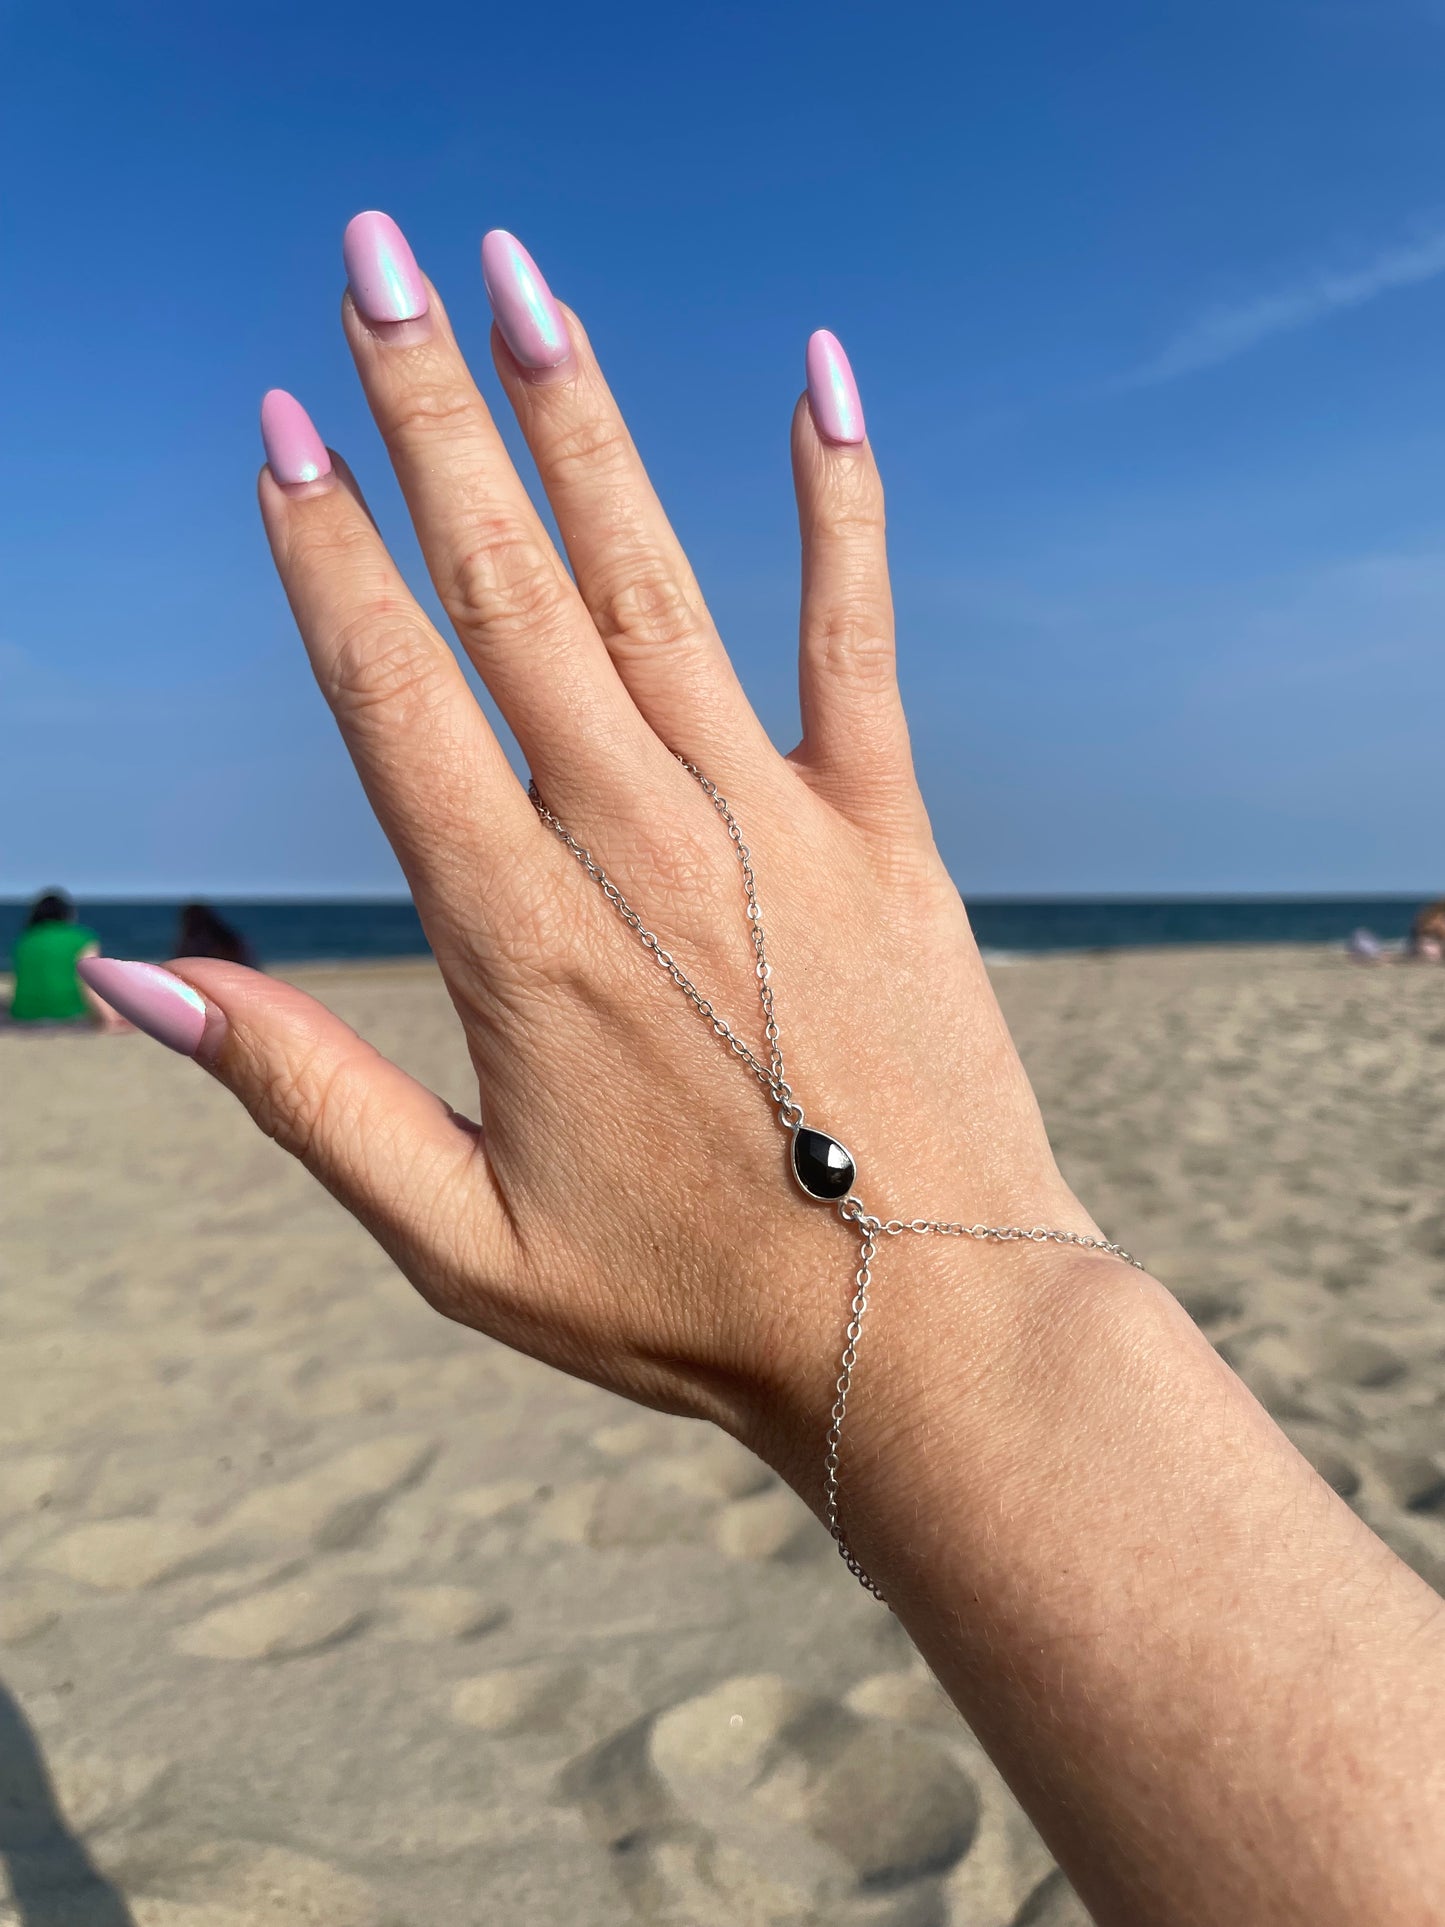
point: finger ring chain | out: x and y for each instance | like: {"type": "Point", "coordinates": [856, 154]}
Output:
{"type": "Point", "coordinates": [823, 1167]}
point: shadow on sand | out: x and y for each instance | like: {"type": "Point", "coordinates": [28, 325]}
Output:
{"type": "Point", "coordinates": [53, 1881]}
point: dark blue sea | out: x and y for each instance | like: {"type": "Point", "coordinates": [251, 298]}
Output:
{"type": "Point", "coordinates": [283, 932]}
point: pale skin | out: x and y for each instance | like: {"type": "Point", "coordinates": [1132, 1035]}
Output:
{"type": "Point", "coordinates": [101, 1015]}
{"type": "Point", "coordinates": [1218, 1696]}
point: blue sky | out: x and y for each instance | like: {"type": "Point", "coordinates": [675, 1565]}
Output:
{"type": "Point", "coordinates": [1146, 300]}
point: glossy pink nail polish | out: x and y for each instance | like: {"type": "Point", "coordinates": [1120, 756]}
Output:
{"type": "Point", "coordinates": [294, 450]}
{"type": "Point", "coordinates": [832, 391]}
{"type": "Point", "coordinates": [385, 281]}
{"type": "Point", "coordinates": [530, 320]}
{"type": "Point", "coordinates": [154, 1000]}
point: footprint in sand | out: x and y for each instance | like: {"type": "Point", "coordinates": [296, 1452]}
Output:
{"type": "Point", "coordinates": [1006, 1868]}
{"type": "Point", "coordinates": [25, 1613]}
{"type": "Point", "coordinates": [719, 1469]}
{"type": "Point", "coordinates": [37, 1482]}
{"type": "Point", "coordinates": [1414, 1480]}
{"type": "Point", "coordinates": [127, 1555]}
{"type": "Point", "coordinates": [334, 1504]}
{"type": "Point", "coordinates": [891, 1805]}
{"type": "Point", "coordinates": [631, 1510]}
{"type": "Point", "coordinates": [770, 1525]}
{"type": "Point", "coordinates": [760, 1800]}
{"type": "Point", "coordinates": [532, 1698]}
{"type": "Point", "coordinates": [303, 1616]}
{"type": "Point", "coordinates": [1428, 1237]}
{"type": "Point", "coordinates": [427, 1614]}
{"type": "Point", "coordinates": [504, 1498]}
{"type": "Point", "coordinates": [632, 1437]}
{"type": "Point", "coordinates": [379, 1387]}
{"type": "Point", "coordinates": [1362, 1362]}
{"type": "Point", "coordinates": [911, 1699]}
{"type": "Point", "coordinates": [243, 1885]}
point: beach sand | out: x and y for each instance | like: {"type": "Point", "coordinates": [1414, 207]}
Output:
{"type": "Point", "coordinates": [317, 1609]}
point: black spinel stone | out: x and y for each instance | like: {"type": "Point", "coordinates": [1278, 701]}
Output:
{"type": "Point", "coordinates": [821, 1165]}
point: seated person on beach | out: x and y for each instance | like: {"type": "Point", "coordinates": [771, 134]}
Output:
{"type": "Point", "coordinates": [202, 933]}
{"type": "Point", "coordinates": [1427, 933]}
{"type": "Point", "coordinates": [1219, 1695]}
{"type": "Point", "coordinates": [48, 989]}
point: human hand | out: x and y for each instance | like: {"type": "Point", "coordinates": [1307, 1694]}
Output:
{"type": "Point", "coordinates": [625, 1210]}
{"type": "Point", "coordinates": [1122, 1572]}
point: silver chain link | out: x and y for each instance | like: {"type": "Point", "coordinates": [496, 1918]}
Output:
{"type": "Point", "coordinates": [773, 1078]}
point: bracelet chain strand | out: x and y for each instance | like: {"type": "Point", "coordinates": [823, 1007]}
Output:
{"type": "Point", "coordinates": [771, 1074]}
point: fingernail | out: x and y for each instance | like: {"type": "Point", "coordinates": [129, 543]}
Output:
{"type": "Point", "coordinates": [530, 320]}
{"type": "Point", "coordinates": [832, 391]}
{"type": "Point", "coordinates": [153, 999]}
{"type": "Point", "coordinates": [294, 450]}
{"type": "Point", "coordinates": [385, 281]}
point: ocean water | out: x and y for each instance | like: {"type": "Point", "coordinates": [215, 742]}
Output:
{"type": "Point", "coordinates": [284, 932]}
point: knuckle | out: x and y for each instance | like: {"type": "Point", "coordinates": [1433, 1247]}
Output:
{"type": "Point", "coordinates": [589, 444]}
{"type": "Point", "coordinates": [434, 411]}
{"type": "Point", "coordinates": [382, 667]}
{"type": "Point", "coordinates": [547, 938]}
{"type": "Point", "coordinates": [853, 642]}
{"type": "Point", "coordinates": [640, 603]}
{"type": "Point", "coordinates": [503, 585]}
{"type": "Point", "coordinates": [857, 519]}
{"type": "Point", "coordinates": [535, 917]}
{"type": "Point", "coordinates": [546, 925]}
{"type": "Point", "coordinates": [334, 547]}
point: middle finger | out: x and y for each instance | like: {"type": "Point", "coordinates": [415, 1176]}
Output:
{"type": "Point", "coordinates": [630, 568]}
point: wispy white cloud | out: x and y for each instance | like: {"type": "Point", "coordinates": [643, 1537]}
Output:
{"type": "Point", "coordinates": [1231, 329]}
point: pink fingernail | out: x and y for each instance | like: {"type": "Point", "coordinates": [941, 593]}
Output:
{"type": "Point", "coordinates": [530, 320]}
{"type": "Point", "coordinates": [153, 999]}
{"type": "Point", "coordinates": [294, 450]}
{"type": "Point", "coordinates": [386, 282]}
{"type": "Point", "coordinates": [832, 391]}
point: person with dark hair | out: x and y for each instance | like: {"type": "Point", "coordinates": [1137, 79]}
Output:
{"type": "Point", "coordinates": [47, 987]}
{"type": "Point", "coordinates": [202, 933]}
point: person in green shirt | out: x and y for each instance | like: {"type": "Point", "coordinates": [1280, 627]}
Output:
{"type": "Point", "coordinates": [47, 989]}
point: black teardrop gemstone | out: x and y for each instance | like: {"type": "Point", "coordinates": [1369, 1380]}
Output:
{"type": "Point", "coordinates": [821, 1165]}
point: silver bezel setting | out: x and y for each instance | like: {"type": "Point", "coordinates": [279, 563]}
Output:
{"type": "Point", "coordinates": [797, 1130]}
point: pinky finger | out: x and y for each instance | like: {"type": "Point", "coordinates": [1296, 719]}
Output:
{"type": "Point", "coordinates": [380, 1142]}
{"type": "Point", "coordinates": [855, 740]}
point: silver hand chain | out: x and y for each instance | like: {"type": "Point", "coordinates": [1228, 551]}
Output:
{"type": "Point", "coordinates": [821, 1165]}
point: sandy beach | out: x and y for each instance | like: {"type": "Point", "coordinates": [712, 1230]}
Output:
{"type": "Point", "coordinates": [317, 1609]}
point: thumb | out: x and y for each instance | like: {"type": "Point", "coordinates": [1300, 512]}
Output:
{"type": "Point", "coordinates": [389, 1149]}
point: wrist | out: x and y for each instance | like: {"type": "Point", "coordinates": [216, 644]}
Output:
{"type": "Point", "coordinates": [963, 1346]}
{"type": "Point", "coordinates": [984, 1385]}
{"type": "Point", "coordinates": [1007, 1475]}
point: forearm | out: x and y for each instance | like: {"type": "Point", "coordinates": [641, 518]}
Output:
{"type": "Point", "coordinates": [1214, 1690]}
